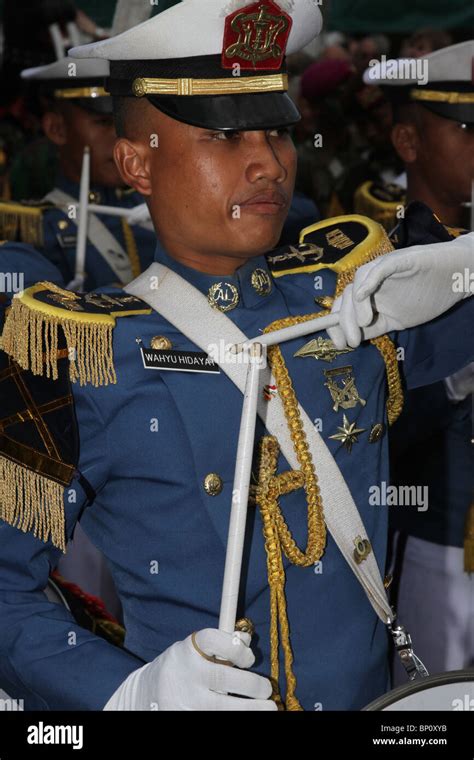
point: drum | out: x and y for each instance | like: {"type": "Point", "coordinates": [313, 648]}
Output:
{"type": "Point", "coordinates": [445, 691]}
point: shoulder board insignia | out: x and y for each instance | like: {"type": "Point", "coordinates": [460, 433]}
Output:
{"type": "Point", "coordinates": [23, 222]}
{"type": "Point", "coordinates": [380, 202]}
{"type": "Point", "coordinates": [87, 321]}
{"type": "Point", "coordinates": [341, 244]}
{"type": "Point", "coordinates": [421, 226]}
{"type": "Point", "coordinates": [455, 231]}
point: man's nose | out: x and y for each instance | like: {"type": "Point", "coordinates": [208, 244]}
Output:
{"type": "Point", "coordinates": [263, 162]}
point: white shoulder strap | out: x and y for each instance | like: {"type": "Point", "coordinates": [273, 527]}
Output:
{"type": "Point", "coordinates": [101, 238]}
{"type": "Point", "coordinates": [188, 310]}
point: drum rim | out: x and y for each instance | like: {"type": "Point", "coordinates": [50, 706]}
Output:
{"type": "Point", "coordinates": [413, 687]}
{"type": "Point", "coordinates": [57, 589]}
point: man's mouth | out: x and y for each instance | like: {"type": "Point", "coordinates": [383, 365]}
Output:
{"type": "Point", "coordinates": [266, 203]}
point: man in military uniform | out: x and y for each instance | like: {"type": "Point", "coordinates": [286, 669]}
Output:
{"type": "Point", "coordinates": [431, 443]}
{"type": "Point", "coordinates": [77, 112]}
{"type": "Point", "coordinates": [149, 468]}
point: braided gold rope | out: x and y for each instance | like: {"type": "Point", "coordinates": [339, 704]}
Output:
{"type": "Point", "coordinates": [131, 246]}
{"type": "Point", "coordinates": [395, 399]}
{"type": "Point", "coordinates": [383, 344]}
{"type": "Point", "coordinates": [277, 534]}
{"type": "Point", "coordinates": [270, 487]}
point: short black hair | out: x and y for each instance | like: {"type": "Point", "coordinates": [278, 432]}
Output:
{"type": "Point", "coordinates": [131, 116]}
{"type": "Point", "coordinates": [407, 111]}
{"type": "Point", "coordinates": [122, 107]}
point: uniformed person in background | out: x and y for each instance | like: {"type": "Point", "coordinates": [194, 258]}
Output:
{"type": "Point", "coordinates": [431, 443]}
{"type": "Point", "coordinates": [145, 458]}
{"type": "Point", "coordinates": [78, 113]}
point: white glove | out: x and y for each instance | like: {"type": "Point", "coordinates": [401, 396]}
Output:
{"type": "Point", "coordinates": [403, 289]}
{"type": "Point", "coordinates": [139, 214]}
{"type": "Point", "coordinates": [182, 679]}
{"type": "Point", "coordinates": [460, 385]}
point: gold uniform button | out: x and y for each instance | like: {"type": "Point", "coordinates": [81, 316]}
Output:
{"type": "Point", "coordinates": [160, 343]}
{"type": "Point", "coordinates": [213, 484]}
{"type": "Point", "coordinates": [94, 197]}
{"type": "Point", "coordinates": [62, 224]}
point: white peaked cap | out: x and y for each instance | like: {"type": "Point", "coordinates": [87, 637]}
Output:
{"type": "Point", "coordinates": [442, 82]}
{"type": "Point", "coordinates": [449, 64]}
{"type": "Point", "coordinates": [195, 28]}
{"type": "Point", "coordinates": [78, 80]}
{"type": "Point", "coordinates": [84, 69]}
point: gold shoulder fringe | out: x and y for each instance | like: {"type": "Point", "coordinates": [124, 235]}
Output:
{"type": "Point", "coordinates": [30, 337]}
{"type": "Point", "coordinates": [23, 222]}
{"type": "Point", "coordinates": [32, 503]}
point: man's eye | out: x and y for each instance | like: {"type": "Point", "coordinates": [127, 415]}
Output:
{"type": "Point", "coordinates": [229, 134]}
{"type": "Point", "coordinates": [279, 132]}
{"type": "Point", "coordinates": [466, 127]}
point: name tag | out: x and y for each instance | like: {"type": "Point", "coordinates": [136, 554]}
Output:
{"type": "Point", "coordinates": [180, 361]}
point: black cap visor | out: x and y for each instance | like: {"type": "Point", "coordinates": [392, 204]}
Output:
{"type": "Point", "coordinates": [461, 112]}
{"type": "Point", "coordinates": [267, 110]}
{"type": "Point", "coordinates": [101, 105]}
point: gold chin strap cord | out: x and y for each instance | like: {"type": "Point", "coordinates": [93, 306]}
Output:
{"type": "Point", "coordinates": [81, 92]}
{"type": "Point", "coordinates": [187, 86]}
{"type": "Point", "coordinates": [437, 96]}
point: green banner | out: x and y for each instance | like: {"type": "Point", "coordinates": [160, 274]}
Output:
{"type": "Point", "coordinates": [398, 16]}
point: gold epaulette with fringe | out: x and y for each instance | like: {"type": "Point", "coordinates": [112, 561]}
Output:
{"type": "Point", "coordinates": [38, 450]}
{"type": "Point", "coordinates": [31, 333]}
{"type": "Point", "coordinates": [380, 202]}
{"type": "Point", "coordinates": [343, 244]}
{"type": "Point", "coordinates": [50, 334]}
{"type": "Point", "coordinates": [23, 222]}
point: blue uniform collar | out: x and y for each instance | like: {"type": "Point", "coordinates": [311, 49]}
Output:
{"type": "Point", "coordinates": [249, 280]}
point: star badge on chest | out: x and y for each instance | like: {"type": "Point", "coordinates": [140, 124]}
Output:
{"type": "Point", "coordinates": [347, 434]}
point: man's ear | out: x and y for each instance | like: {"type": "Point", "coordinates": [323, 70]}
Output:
{"type": "Point", "coordinates": [132, 163]}
{"type": "Point", "coordinates": [406, 141]}
{"type": "Point", "coordinates": [54, 127]}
